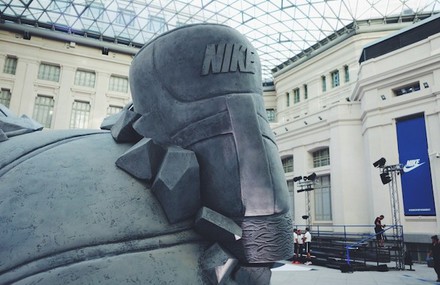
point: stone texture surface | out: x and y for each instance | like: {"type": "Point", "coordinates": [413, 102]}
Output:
{"type": "Point", "coordinates": [122, 130]}
{"type": "Point", "coordinates": [215, 226]}
{"type": "Point", "coordinates": [142, 160]}
{"type": "Point", "coordinates": [12, 125]}
{"type": "Point", "coordinates": [177, 184]}
{"type": "Point", "coordinates": [73, 212]}
{"type": "Point", "coordinates": [217, 264]}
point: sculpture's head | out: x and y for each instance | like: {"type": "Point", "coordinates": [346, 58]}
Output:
{"type": "Point", "coordinates": [183, 76]}
{"type": "Point", "coordinates": [192, 63]}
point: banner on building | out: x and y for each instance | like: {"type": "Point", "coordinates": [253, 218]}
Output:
{"type": "Point", "coordinates": [418, 197]}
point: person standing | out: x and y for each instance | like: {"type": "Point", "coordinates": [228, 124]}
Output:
{"type": "Point", "coordinates": [307, 243]}
{"type": "Point", "coordinates": [378, 229]}
{"type": "Point", "coordinates": [300, 243]}
{"type": "Point", "coordinates": [295, 245]}
{"type": "Point", "coordinates": [435, 254]}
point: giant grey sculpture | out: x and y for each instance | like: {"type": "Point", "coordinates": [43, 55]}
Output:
{"type": "Point", "coordinates": [186, 188]}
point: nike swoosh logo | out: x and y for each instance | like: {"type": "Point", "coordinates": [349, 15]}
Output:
{"type": "Point", "coordinates": [407, 168]}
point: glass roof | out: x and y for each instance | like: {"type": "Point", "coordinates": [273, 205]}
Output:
{"type": "Point", "coordinates": [278, 29]}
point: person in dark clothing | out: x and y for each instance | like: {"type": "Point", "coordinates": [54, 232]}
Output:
{"type": "Point", "coordinates": [378, 229]}
{"type": "Point", "coordinates": [435, 254]}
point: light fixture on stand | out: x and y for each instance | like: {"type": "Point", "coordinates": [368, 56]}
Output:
{"type": "Point", "coordinates": [388, 175]}
{"type": "Point", "coordinates": [306, 184]}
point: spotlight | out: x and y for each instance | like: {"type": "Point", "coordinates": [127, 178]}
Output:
{"type": "Point", "coordinates": [286, 129]}
{"type": "Point", "coordinates": [347, 99]}
{"type": "Point", "coordinates": [311, 177]}
{"type": "Point", "coordinates": [385, 177]}
{"type": "Point", "coordinates": [305, 217]}
{"type": "Point", "coordinates": [320, 118]}
{"type": "Point", "coordinates": [296, 179]}
{"type": "Point", "coordinates": [380, 163]}
{"type": "Point", "coordinates": [305, 123]}
{"type": "Point", "coordinates": [383, 97]}
{"type": "Point", "coordinates": [425, 84]}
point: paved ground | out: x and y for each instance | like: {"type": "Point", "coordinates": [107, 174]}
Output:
{"type": "Point", "coordinates": [289, 274]}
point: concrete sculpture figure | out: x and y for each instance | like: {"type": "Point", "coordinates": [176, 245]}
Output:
{"type": "Point", "coordinates": [183, 187]}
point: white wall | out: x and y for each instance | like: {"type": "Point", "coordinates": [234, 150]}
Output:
{"type": "Point", "coordinates": [25, 86]}
{"type": "Point", "coordinates": [360, 131]}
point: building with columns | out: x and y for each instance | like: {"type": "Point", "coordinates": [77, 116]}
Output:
{"type": "Point", "coordinates": [69, 83]}
{"type": "Point", "coordinates": [342, 106]}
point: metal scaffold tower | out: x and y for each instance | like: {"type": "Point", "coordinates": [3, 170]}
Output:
{"type": "Point", "coordinates": [388, 175]}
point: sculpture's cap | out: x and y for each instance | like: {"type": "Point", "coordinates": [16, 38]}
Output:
{"type": "Point", "coordinates": [192, 63]}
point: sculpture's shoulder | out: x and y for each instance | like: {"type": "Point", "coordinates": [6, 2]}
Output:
{"type": "Point", "coordinates": [19, 146]}
{"type": "Point", "coordinates": [68, 208]}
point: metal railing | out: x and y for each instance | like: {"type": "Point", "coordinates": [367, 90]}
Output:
{"type": "Point", "coordinates": [362, 237]}
{"type": "Point", "coordinates": [397, 241]}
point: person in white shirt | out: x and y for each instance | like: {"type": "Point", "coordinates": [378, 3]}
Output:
{"type": "Point", "coordinates": [295, 244]}
{"type": "Point", "coordinates": [300, 243]}
{"type": "Point", "coordinates": [307, 243]}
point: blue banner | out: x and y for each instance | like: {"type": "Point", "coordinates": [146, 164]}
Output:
{"type": "Point", "coordinates": [418, 197]}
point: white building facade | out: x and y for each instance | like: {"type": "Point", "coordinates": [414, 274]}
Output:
{"type": "Point", "coordinates": [62, 83]}
{"type": "Point", "coordinates": [331, 120]}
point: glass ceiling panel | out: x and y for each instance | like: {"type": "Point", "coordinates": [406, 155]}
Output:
{"type": "Point", "coordinates": [279, 30]}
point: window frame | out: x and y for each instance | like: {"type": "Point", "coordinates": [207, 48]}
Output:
{"type": "Point", "coordinates": [296, 95]}
{"type": "Point", "coordinates": [271, 114]}
{"type": "Point", "coordinates": [5, 97]}
{"type": "Point", "coordinates": [321, 157]}
{"type": "Point", "coordinates": [10, 66]}
{"type": "Point", "coordinates": [49, 72]}
{"type": "Point", "coordinates": [346, 74]}
{"type": "Point", "coordinates": [42, 112]}
{"type": "Point", "coordinates": [322, 199]}
{"type": "Point", "coordinates": [336, 80]}
{"type": "Point", "coordinates": [83, 80]}
{"type": "Point", "coordinates": [287, 162]}
{"type": "Point", "coordinates": [80, 117]}
{"type": "Point", "coordinates": [115, 83]}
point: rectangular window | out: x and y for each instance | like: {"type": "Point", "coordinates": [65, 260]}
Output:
{"type": "Point", "coordinates": [322, 194]}
{"type": "Point", "coordinates": [156, 24]}
{"type": "Point", "coordinates": [111, 110]}
{"type": "Point", "coordinates": [287, 99]}
{"type": "Point", "coordinates": [85, 78]}
{"type": "Point", "coordinates": [10, 65]}
{"type": "Point", "coordinates": [413, 87]}
{"type": "Point", "coordinates": [321, 157]}
{"type": "Point", "coordinates": [125, 17]}
{"type": "Point", "coordinates": [335, 78]}
{"type": "Point", "coordinates": [49, 72]}
{"type": "Point", "coordinates": [43, 110]}
{"type": "Point", "coordinates": [270, 115]}
{"type": "Point", "coordinates": [5, 97]}
{"type": "Point", "coordinates": [323, 83]}
{"type": "Point", "coordinates": [306, 92]}
{"type": "Point", "coordinates": [118, 84]}
{"type": "Point", "coordinates": [296, 96]}
{"type": "Point", "coordinates": [287, 164]}
{"type": "Point", "coordinates": [346, 73]}
{"type": "Point", "coordinates": [79, 119]}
